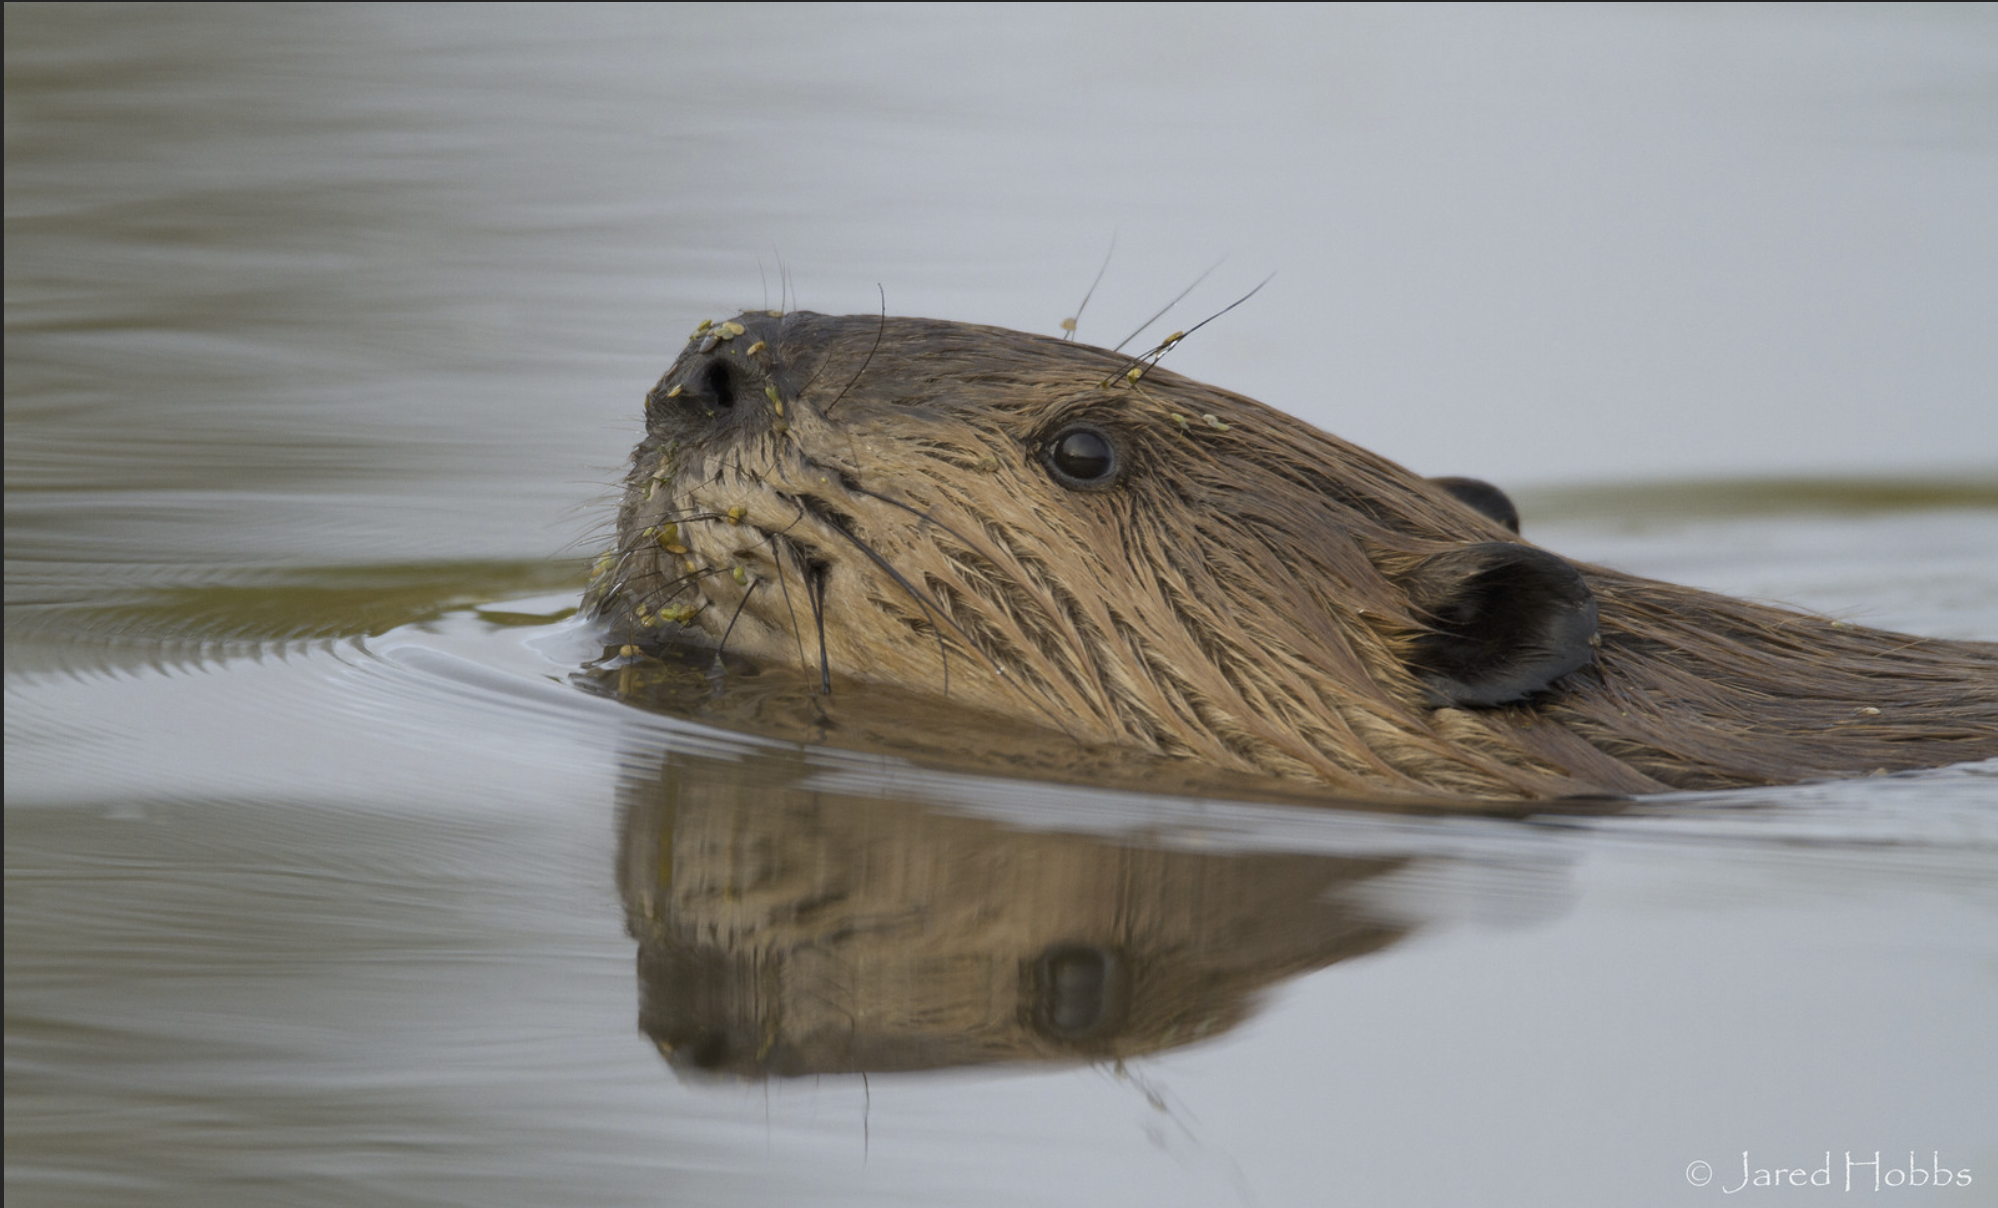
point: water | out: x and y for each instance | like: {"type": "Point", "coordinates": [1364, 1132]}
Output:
{"type": "Point", "coordinates": [326, 880]}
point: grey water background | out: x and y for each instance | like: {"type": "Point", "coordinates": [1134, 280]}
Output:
{"type": "Point", "coordinates": [326, 329]}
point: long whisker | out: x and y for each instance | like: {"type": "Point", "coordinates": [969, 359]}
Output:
{"type": "Point", "coordinates": [935, 611]}
{"type": "Point", "coordinates": [690, 517]}
{"type": "Point", "coordinates": [1153, 356]}
{"type": "Point", "coordinates": [817, 584]}
{"type": "Point", "coordinates": [930, 609]}
{"type": "Point", "coordinates": [1224, 310]}
{"type": "Point", "coordinates": [1168, 306]}
{"type": "Point", "coordinates": [928, 518]}
{"type": "Point", "coordinates": [878, 333]}
{"type": "Point", "coordinates": [777, 559]}
{"type": "Point", "coordinates": [667, 590]}
{"type": "Point", "coordinates": [1068, 325]}
{"type": "Point", "coordinates": [735, 616]}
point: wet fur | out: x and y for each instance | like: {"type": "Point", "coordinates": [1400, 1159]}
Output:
{"type": "Point", "coordinates": [1238, 597]}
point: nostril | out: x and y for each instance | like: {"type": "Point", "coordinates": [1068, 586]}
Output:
{"type": "Point", "coordinates": [720, 383]}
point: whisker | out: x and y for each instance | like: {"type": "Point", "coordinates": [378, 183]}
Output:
{"type": "Point", "coordinates": [690, 517]}
{"type": "Point", "coordinates": [932, 610]}
{"type": "Point", "coordinates": [935, 611]}
{"type": "Point", "coordinates": [927, 518]}
{"type": "Point", "coordinates": [1168, 306]}
{"type": "Point", "coordinates": [1224, 310]}
{"type": "Point", "coordinates": [1068, 325]}
{"type": "Point", "coordinates": [1156, 354]}
{"type": "Point", "coordinates": [777, 559]}
{"type": "Point", "coordinates": [817, 583]}
{"type": "Point", "coordinates": [878, 333]}
{"type": "Point", "coordinates": [666, 591]}
{"type": "Point", "coordinates": [721, 648]}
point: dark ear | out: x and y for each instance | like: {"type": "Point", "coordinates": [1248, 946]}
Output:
{"type": "Point", "coordinates": [1482, 496]}
{"type": "Point", "coordinates": [1505, 622]}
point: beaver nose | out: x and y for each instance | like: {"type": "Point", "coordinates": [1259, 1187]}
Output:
{"type": "Point", "coordinates": [707, 398]}
{"type": "Point", "coordinates": [718, 383]}
{"type": "Point", "coordinates": [706, 391]}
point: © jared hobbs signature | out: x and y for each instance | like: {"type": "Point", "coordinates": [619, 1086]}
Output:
{"type": "Point", "coordinates": [1861, 1171]}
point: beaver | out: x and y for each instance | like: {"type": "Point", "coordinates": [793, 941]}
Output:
{"type": "Point", "coordinates": [1062, 533]}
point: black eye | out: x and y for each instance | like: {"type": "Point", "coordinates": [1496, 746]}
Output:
{"type": "Point", "coordinates": [1082, 458]}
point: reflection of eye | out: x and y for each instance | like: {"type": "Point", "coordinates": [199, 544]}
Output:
{"type": "Point", "coordinates": [1082, 459]}
{"type": "Point", "coordinates": [1079, 992]}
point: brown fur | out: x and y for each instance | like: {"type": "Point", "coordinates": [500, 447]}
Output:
{"type": "Point", "coordinates": [1235, 598]}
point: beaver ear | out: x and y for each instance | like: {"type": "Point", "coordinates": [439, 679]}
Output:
{"type": "Point", "coordinates": [1482, 496]}
{"type": "Point", "coordinates": [1505, 622]}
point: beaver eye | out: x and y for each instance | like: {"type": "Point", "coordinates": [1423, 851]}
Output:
{"type": "Point", "coordinates": [1082, 458]}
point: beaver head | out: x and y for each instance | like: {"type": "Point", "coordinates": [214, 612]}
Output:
{"type": "Point", "coordinates": [1056, 531]}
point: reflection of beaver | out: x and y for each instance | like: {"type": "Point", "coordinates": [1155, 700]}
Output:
{"type": "Point", "coordinates": [785, 928]}
{"type": "Point", "coordinates": [1053, 531]}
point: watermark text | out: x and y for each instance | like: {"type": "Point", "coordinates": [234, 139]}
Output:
{"type": "Point", "coordinates": [1855, 1171]}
